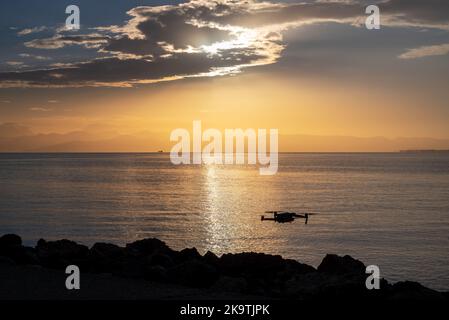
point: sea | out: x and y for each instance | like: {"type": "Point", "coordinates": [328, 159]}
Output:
{"type": "Point", "coordinates": [385, 209]}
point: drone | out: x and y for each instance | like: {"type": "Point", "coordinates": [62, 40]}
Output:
{"type": "Point", "coordinates": [284, 216]}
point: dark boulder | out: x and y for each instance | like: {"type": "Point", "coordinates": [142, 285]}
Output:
{"type": "Point", "coordinates": [41, 242]}
{"type": "Point", "coordinates": [334, 264]}
{"type": "Point", "coordinates": [188, 254]}
{"type": "Point", "coordinates": [160, 259]}
{"type": "Point", "coordinates": [11, 247]}
{"type": "Point", "coordinates": [252, 264]}
{"type": "Point", "coordinates": [211, 258]}
{"type": "Point", "coordinates": [193, 273]}
{"type": "Point", "coordinates": [7, 261]}
{"type": "Point", "coordinates": [106, 250]}
{"type": "Point", "coordinates": [147, 247]}
{"type": "Point", "coordinates": [304, 286]}
{"type": "Point", "coordinates": [9, 240]}
{"type": "Point", "coordinates": [413, 291]}
{"type": "Point", "coordinates": [104, 257]}
{"type": "Point", "coordinates": [295, 267]}
{"type": "Point", "coordinates": [27, 256]}
{"type": "Point", "coordinates": [156, 273]}
{"type": "Point", "coordinates": [328, 287]}
{"type": "Point", "coordinates": [231, 284]}
{"type": "Point", "coordinates": [130, 267]}
{"type": "Point", "coordinates": [59, 254]}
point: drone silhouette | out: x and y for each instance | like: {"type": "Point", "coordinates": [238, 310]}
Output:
{"type": "Point", "coordinates": [284, 216]}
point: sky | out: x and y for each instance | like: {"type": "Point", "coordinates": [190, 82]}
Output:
{"type": "Point", "coordinates": [136, 70]}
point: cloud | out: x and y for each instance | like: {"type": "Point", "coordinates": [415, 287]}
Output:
{"type": "Point", "coordinates": [419, 13]}
{"type": "Point", "coordinates": [124, 72]}
{"type": "Point", "coordinates": [203, 38]}
{"type": "Point", "coordinates": [40, 109]}
{"type": "Point", "coordinates": [32, 30]}
{"type": "Point", "coordinates": [14, 63]}
{"type": "Point", "coordinates": [59, 41]}
{"type": "Point", "coordinates": [426, 51]}
{"type": "Point", "coordinates": [30, 56]}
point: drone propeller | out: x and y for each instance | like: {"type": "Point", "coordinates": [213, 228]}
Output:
{"type": "Point", "coordinates": [280, 211]}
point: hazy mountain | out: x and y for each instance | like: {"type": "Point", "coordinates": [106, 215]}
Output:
{"type": "Point", "coordinates": [10, 129]}
{"type": "Point", "coordinates": [311, 143]}
{"type": "Point", "coordinates": [18, 138]}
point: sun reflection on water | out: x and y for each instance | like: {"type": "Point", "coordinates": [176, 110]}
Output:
{"type": "Point", "coordinates": [213, 215]}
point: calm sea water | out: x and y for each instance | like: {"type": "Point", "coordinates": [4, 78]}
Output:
{"type": "Point", "coordinates": [391, 210]}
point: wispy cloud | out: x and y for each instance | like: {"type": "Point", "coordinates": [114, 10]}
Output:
{"type": "Point", "coordinates": [14, 63]}
{"type": "Point", "coordinates": [426, 51]}
{"type": "Point", "coordinates": [40, 109]}
{"type": "Point", "coordinates": [60, 41]}
{"type": "Point", "coordinates": [28, 31]}
{"type": "Point", "coordinates": [31, 56]}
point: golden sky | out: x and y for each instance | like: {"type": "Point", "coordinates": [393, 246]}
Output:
{"type": "Point", "coordinates": [331, 78]}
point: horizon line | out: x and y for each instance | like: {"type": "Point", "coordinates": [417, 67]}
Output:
{"type": "Point", "coordinates": [280, 152]}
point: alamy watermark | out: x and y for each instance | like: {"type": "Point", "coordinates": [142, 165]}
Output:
{"type": "Point", "coordinates": [73, 20]}
{"type": "Point", "coordinates": [373, 280]}
{"type": "Point", "coordinates": [234, 151]}
{"type": "Point", "coordinates": [372, 22]}
{"type": "Point", "coordinates": [73, 280]}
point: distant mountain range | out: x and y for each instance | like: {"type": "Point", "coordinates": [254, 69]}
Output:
{"type": "Point", "coordinates": [312, 143]}
{"type": "Point", "coordinates": [19, 138]}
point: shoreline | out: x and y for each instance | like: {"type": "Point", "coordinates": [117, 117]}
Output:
{"type": "Point", "coordinates": [148, 269]}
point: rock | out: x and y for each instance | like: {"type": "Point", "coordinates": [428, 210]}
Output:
{"type": "Point", "coordinates": [231, 284]}
{"type": "Point", "coordinates": [131, 267]}
{"type": "Point", "coordinates": [106, 251]}
{"type": "Point", "coordinates": [9, 240]}
{"type": "Point", "coordinates": [334, 264]}
{"type": "Point", "coordinates": [11, 247]}
{"type": "Point", "coordinates": [328, 287]}
{"type": "Point", "coordinates": [413, 291]}
{"type": "Point", "coordinates": [59, 254]}
{"type": "Point", "coordinates": [252, 264]}
{"type": "Point", "coordinates": [28, 256]}
{"type": "Point", "coordinates": [162, 260]}
{"type": "Point", "coordinates": [104, 257]}
{"type": "Point", "coordinates": [193, 273]}
{"type": "Point", "coordinates": [303, 286]}
{"type": "Point", "coordinates": [295, 267]}
{"type": "Point", "coordinates": [211, 259]}
{"type": "Point", "coordinates": [156, 273]}
{"type": "Point", "coordinates": [148, 246]}
{"type": "Point", "coordinates": [337, 278]}
{"type": "Point", "coordinates": [6, 261]}
{"type": "Point", "coordinates": [265, 274]}
{"type": "Point", "coordinates": [446, 295]}
{"type": "Point", "coordinates": [188, 254]}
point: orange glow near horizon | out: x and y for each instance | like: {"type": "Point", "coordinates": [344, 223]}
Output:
{"type": "Point", "coordinates": [293, 106]}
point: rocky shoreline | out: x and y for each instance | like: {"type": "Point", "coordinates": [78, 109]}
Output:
{"type": "Point", "coordinates": [149, 269]}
